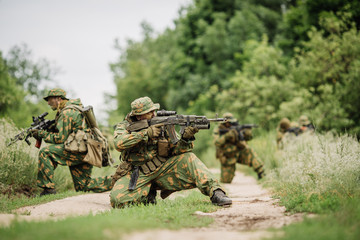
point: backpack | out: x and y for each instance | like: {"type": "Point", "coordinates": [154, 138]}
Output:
{"type": "Point", "coordinates": [98, 151]}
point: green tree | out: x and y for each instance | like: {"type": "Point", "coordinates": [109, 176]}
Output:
{"type": "Point", "coordinates": [28, 73]}
{"type": "Point", "coordinates": [257, 91]}
{"type": "Point", "coordinates": [328, 69]}
{"type": "Point", "coordinates": [301, 16]}
{"type": "Point", "coordinates": [10, 92]}
{"type": "Point", "coordinates": [20, 81]}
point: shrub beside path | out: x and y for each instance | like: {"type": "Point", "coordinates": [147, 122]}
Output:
{"type": "Point", "coordinates": [252, 213]}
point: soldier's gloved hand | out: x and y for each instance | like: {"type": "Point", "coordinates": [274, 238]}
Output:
{"type": "Point", "coordinates": [189, 132]}
{"type": "Point", "coordinates": [35, 133]}
{"type": "Point", "coordinates": [231, 135]}
{"type": "Point", "coordinates": [154, 131]}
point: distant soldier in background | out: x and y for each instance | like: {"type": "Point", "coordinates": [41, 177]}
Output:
{"type": "Point", "coordinates": [68, 119]}
{"type": "Point", "coordinates": [305, 125]}
{"type": "Point", "coordinates": [286, 132]}
{"type": "Point", "coordinates": [231, 148]}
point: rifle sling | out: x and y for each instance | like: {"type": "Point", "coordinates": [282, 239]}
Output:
{"type": "Point", "coordinates": [134, 178]}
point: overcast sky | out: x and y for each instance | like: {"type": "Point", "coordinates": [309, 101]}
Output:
{"type": "Point", "coordinates": [78, 36]}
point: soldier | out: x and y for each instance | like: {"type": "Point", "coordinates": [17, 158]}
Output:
{"type": "Point", "coordinates": [230, 149]}
{"type": "Point", "coordinates": [151, 163]}
{"type": "Point", "coordinates": [67, 121]}
{"type": "Point", "coordinates": [305, 125]}
{"type": "Point", "coordinates": [281, 131]}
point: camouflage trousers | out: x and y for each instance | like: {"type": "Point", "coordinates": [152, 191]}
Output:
{"type": "Point", "coordinates": [246, 156]}
{"type": "Point", "coordinates": [53, 155]}
{"type": "Point", "coordinates": [180, 172]}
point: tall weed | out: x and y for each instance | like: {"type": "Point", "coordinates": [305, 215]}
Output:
{"type": "Point", "coordinates": [18, 165]}
{"type": "Point", "coordinates": [18, 162]}
{"type": "Point", "coordinates": [316, 172]}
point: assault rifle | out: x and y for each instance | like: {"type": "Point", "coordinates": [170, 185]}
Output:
{"type": "Point", "coordinates": [39, 123]}
{"type": "Point", "coordinates": [294, 130]}
{"type": "Point", "coordinates": [239, 129]}
{"type": "Point", "coordinates": [169, 119]}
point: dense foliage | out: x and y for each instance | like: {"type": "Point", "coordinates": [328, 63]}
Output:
{"type": "Point", "coordinates": [262, 60]}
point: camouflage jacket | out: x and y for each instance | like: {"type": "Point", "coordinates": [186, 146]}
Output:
{"type": "Point", "coordinates": [67, 121]}
{"type": "Point", "coordinates": [225, 144]}
{"type": "Point", "coordinates": [137, 148]}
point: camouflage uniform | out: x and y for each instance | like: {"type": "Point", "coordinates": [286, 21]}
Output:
{"type": "Point", "coordinates": [281, 132]}
{"type": "Point", "coordinates": [305, 125]}
{"type": "Point", "coordinates": [180, 170]}
{"type": "Point", "coordinates": [67, 121]}
{"type": "Point", "coordinates": [229, 151]}
{"type": "Point", "coordinates": [287, 132]}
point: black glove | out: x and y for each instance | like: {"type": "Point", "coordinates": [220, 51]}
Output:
{"type": "Point", "coordinates": [154, 131]}
{"type": "Point", "coordinates": [189, 132]}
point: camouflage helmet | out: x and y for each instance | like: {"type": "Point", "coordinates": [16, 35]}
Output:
{"type": "Point", "coordinates": [304, 120]}
{"type": "Point", "coordinates": [56, 92]}
{"type": "Point", "coordinates": [284, 123]}
{"type": "Point", "coordinates": [229, 117]}
{"type": "Point", "coordinates": [143, 105]}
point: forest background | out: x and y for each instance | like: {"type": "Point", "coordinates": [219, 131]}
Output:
{"type": "Point", "coordinates": [261, 60]}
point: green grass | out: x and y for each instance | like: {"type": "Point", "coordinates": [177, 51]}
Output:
{"type": "Point", "coordinates": [167, 214]}
{"type": "Point", "coordinates": [316, 174]}
{"type": "Point", "coordinates": [18, 172]}
{"type": "Point", "coordinates": [341, 224]}
{"type": "Point", "coordinates": [319, 174]}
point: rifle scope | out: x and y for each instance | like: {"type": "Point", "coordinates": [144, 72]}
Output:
{"type": "Point", "coordinates": [40, 117]}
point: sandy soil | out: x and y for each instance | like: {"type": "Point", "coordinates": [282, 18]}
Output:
{"type": "Point", "coordinates": [252, 213]}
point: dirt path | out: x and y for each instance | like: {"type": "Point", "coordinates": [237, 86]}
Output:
{"type": "Point", "coordinates": [253, 211]}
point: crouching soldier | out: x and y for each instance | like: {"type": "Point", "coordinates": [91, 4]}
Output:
{"type": "Point", "coordinates": [151, 162]}
{"type": "Point", "coordinates": [231, 148]}
{"type": "Point", "coordinates": [68, 120]}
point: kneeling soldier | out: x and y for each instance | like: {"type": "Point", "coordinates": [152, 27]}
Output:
{"type": "Point", "coordinates": [151, 162]}
{"type": "Point", "coordinates": [68, 119]}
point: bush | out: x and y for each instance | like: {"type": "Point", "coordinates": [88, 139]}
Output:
{"type": "Point", "coordinates": [18, 162]}
{"type": "Point", "coordinates": [18, 165]}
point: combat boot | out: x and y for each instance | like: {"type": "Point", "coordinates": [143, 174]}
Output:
{"type": "Point", "coordinates": [47, 191]}
{"type": "Point", "coordinates": [261, 175]}
{"type": "Point", "coordinates": [220, 199]}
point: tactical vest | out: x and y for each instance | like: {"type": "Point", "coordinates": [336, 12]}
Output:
{"type": "Point", "coordinates": [151, 155]}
